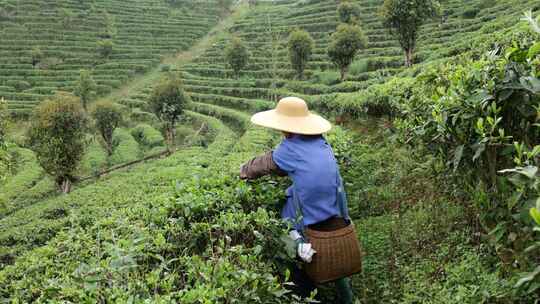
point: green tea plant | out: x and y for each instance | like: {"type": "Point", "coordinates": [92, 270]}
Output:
{"type": "Point", "coordinates": [481, 117]}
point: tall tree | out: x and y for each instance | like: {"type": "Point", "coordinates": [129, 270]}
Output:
{"type": "Point", "coordinates": [349, 12]}
{"type": "Point", "coordinates": [345, 43]}
{"type": "Point", "coordinates": [5, 157]}
{"type": "Point", "coordinates": [168, 101]}
{"type": "Point", "coordinates": [237, 55]}
{"type": "Point", "coordinates": [107, 117]}
{"type": "Point", "coordinates": [300, 50]}
{"type": "Point", "coordinates": [56, 135]}
{"type": "Point", "coordinates": [403, 19]}
{"type": "Point", "coordinates": [86, 87]}
{"type": "Point", "coordinates": [37, 56]}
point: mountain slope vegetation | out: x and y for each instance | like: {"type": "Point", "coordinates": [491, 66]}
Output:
{"type": "Point", "coordinates": [420, 149]}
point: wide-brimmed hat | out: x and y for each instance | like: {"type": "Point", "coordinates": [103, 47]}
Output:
{"type": "Point", "coordinates": [292, 115]}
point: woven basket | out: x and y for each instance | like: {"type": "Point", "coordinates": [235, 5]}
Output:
{"type": "Point", "coordinates": [338, 254]}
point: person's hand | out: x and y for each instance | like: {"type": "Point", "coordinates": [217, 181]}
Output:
{"type": "Point", "coordinates": [304, 250]}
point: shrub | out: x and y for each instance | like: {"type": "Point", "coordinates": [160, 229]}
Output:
{"type": "Point", "coordinates": [126, 148]}
{"type": "Point", "coordinates": [105, 48]}
{"type": "Point", "coordinates": [57, 136]}
{"type": "Point", "coordinates": [470, 13]}
{"type": "Point", "coordinates": [300, 49]}
{"type": "Point", "coordinates": [326, 77]}
{"type": "Point", "coordinates": [403, 19]}
{"type": "Point", "coordinates": [19, 85]}
{"type": "Point", "coordinates": [95, 158]}
{"type": "Point", "coordinates": [86, 87]}
{"type": "Point", "coordinates": [359, 66]}
{"type": "Point", "coordinates": [237, 55]}
{"type": "Point", "coordinates": [349, 12]}
{"type": "Point", "coordinates": [346, 42]}
{"type": "Point", "coordinates": [168, 101]}
{"type": "Point", "coordinates": [165, 67]}
{"type": "Point", "coordinates": [107, 117]}
{"type": "Point", "coordinates": [147, 136]}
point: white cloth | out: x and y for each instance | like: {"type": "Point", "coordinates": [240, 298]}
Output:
{"type": "Point", "coordinates": [305, 250]}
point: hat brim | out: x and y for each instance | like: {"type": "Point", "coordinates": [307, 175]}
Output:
{"type": "Point", "coordinates": [308, 125]}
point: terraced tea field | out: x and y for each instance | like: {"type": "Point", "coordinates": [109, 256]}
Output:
{"type": "Point", "coordinates": [183, 228]}
{"type": "Point", "coordinates": [67, 33]}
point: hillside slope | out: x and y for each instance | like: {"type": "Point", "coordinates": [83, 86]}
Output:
{"type": "Point", "coordinates": [46, 43]}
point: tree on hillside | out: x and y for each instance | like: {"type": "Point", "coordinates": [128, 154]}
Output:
{"type": "Point", "coordinates": [56, 135]}
{"type": "Point", "coordinates": [86, 87]}
{"type": "Point", "coordinates": [37, 56]}
{"type": "Point", "coordinates": [107, 117]}
{"type": "Point", "coordinates": [105, 48]}
{"type": "Point", "coordinates": [349, 12]}
{"type": "Point", "coordinates": [403, 19]}
{"type": "Point", "coordinates": [168, 101]}
{"type": "Point", "coordinates": [66, 20]}
{"type": "Point", "coordinates": [300, 50]}
{"type": "Point", "coordinates": [225, 5]}
{"type": "Point", "coordinates": [237, 55]}
{"type": "Point", "coordinates": [344, 45]}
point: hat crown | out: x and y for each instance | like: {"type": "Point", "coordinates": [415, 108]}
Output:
{"type": "Point", "coordinates": [293, 107]}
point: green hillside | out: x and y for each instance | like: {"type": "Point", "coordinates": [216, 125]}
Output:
{"type": "Point", "coordinates": [67, 35]}
{"type": "Point", "coordinates": [420, 148]}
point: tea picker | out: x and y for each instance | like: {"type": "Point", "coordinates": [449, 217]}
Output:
{"type": "Point", "coordinates": [316, 205]}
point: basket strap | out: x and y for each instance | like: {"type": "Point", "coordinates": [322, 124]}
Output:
{"type": "Point", "coordinates": [342, 198]}
{"type": "Point", "coordinates": [299, 221]}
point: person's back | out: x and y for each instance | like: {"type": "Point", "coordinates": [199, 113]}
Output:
{"type": "Point", "coordinates": [310, 163]}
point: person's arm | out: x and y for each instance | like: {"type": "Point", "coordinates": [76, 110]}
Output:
{"type": "Point", "coordinates": [260, 166]}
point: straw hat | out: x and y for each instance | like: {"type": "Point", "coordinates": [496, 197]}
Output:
{"type": "Point", "coordinates": [292, 115]}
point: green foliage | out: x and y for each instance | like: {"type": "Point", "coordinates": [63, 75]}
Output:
{"type": "Point", "coordinates": [168, 101]}
{"type": "Point", "coordinates": [300, 50]}
{"type": "Point", "coordinates": [237, 55]}
{"type": "Point", "coordinates": [346, 42]}
{"type": "Point", "coordinates": [470, 13]}
{"type": "Point", "coordinates": [349, 12]}
{"type": "Point", "coordinates": [95, 158]}
{"type": "Point", "coordinates": [358, 67]}
{"type": "Point", "coordinates": [107, 117]}
{"type": "Point", "coordinates": [105, 48]}
{"type": "Point", "coordinates": [86, 87]}
{"type": "Point", "coordinates": [403, 19]}
{"type": "Point", "coordinates": [147, 136]}
{"type": "Point", "coordinates": [126, 148]}
{"type": "Point", "coordinates": [481, 117]}
{"type": "Point", "coordinates": [57, 137]}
